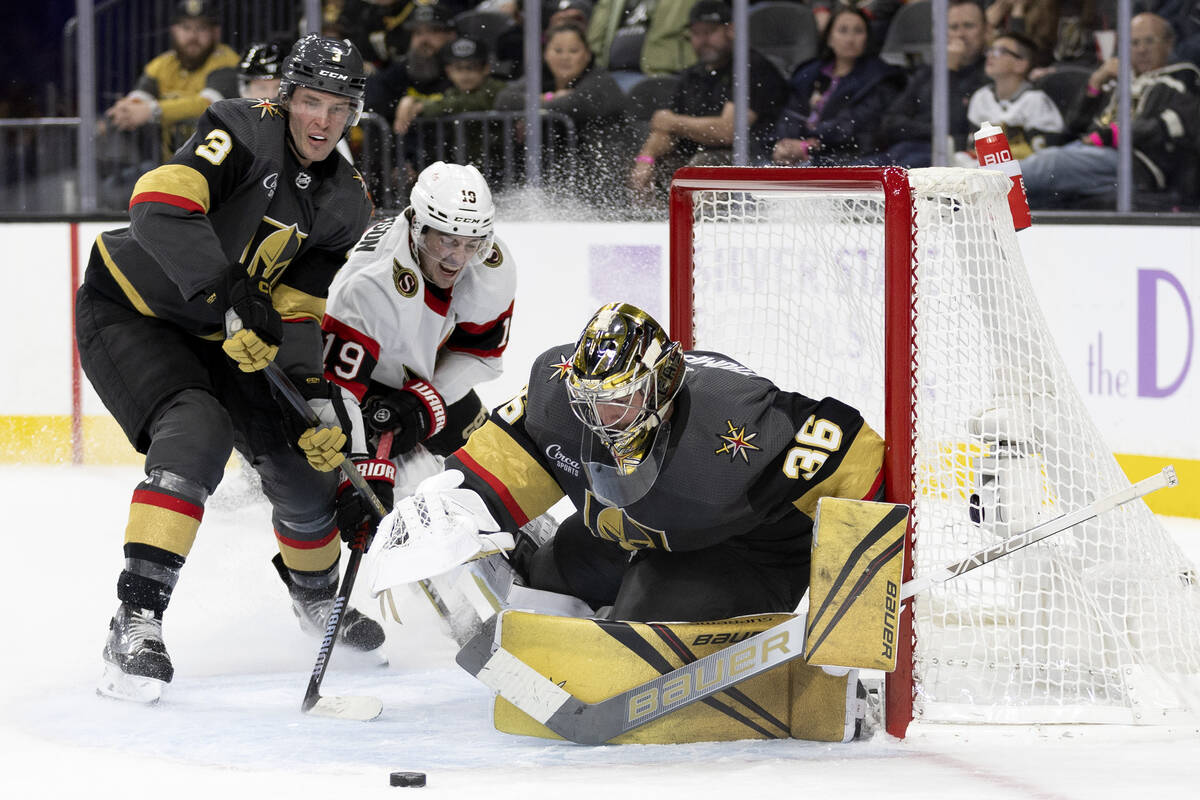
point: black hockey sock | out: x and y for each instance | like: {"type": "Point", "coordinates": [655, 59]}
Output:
{"type": "Point", "coordinates": [149, 576]}
{"type": "Point", "coordinates": [308, 585]}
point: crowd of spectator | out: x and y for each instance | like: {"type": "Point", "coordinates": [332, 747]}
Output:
{"type": "Point", "coordinates": [1045, 70]}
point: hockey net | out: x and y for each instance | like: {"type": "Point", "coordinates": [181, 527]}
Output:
{"type": "Point", "coordinates": [904, 294]}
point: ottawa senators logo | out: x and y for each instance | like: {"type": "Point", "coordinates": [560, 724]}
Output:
{"type": "Point", "coordinates": [404, 278]}
{"type": "Point", "coordinates": [495, 258]}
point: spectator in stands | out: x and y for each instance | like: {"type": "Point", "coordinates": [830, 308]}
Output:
{"type": "Point", "coordinates": [838, 97]}
{"type": "Point", "coordinates": [176, 86]}
{"type": "Point", "coordinates": [666, 49]}
{"type": "Point", "coordinates": [146, 126]}
{"type": "Point", "coordinates": [879, 15]}
{"type": "Point", "coordinates": [1166, 122]}
{"type": "Point", "coordinates": [574, 85]}
{"type": "Point", "coordinates": [907, 125]}
{"type": "Point", "coordinates": [418, 73]}
{"type": "Point", "coordinates": [1064, 31]}
{"type": "Point", "coordinates": [562, 12]}
{"type": "Point", "coordinates": [474, 89]}
{"type": "Point", "coordinates": [378, 27]}
{"type": "Point", "coordinates": [1184, 16]}
{"type": "Point", "coordinates": [697, 128]}
{"type": "Point", "coordinates": [1029, 117]}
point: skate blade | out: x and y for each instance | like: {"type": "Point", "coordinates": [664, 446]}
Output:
{"type": "Point", "coordinates": [132, 688]}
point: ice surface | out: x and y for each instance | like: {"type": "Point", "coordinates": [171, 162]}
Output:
{"type": "Point", "coordinates": [230, 725]}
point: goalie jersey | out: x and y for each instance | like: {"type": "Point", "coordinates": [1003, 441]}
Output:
{"type": "Point", "coordinates": [744, 461]}
{"type": "Point", "coordinates": [384, 323]}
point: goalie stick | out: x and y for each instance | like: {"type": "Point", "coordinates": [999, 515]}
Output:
{"type": "Point", "coordinates": [597, 723]}
{"type": "Point", "coordinates": [353, 707]}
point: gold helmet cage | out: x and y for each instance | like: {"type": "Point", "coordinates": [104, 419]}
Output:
{"type": "Point", "coordinates": [624, 360]}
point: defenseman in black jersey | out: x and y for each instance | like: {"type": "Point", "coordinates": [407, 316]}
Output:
{"type": "Point", "coordinates": [695, 480]}
{"type": "Point", "coordinates": [254, 214]}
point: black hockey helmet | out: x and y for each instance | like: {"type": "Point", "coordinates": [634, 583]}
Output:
{"type": "Point", "coordinates": [327, 65]}
{"type": "Point", "coordinates": [263, 60]}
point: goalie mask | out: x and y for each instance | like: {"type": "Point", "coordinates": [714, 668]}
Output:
{"type": "Point", "coordinates": [452, 214]}
{"type": "Point", "coordinates": [625, 373]}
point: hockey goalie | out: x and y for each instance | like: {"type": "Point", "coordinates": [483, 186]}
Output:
{"type": "Point", "coordinates": [694, 482]}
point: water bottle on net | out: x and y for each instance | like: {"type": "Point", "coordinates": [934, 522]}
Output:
{"type": "Point", "coordinates": [991, 147]}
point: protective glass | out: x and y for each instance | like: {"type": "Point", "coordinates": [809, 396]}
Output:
{"type": "Point", "coordinates": [452, 249]}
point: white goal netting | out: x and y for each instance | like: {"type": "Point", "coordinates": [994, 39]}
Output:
{"type": "Point", "coordinates": [1098, 624]}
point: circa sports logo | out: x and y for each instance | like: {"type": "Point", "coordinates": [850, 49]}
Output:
{"type": "Point", "coordinates": [562, 460]}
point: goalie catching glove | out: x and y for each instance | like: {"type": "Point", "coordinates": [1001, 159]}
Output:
{"type": "Point", "coordinates": [412, 414]}
{"type": "Point", "coordinates": [253, 328]}
{"type": "Point", "coordinates": [354, 513]}
{"type": "Point", "coordinates": [434, 530]}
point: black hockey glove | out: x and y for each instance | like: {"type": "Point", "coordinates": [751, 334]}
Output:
{"type": "Point", "coordinates": [354, 514]}
{"type": "Point", "coordinates": [255, 344]}
{"type": "Point", "coordinates": [413, 414]}
{"type": "Point", "coordinates": [324, 445]}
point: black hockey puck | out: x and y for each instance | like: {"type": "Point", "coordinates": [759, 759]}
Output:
{"type": "Point", "coordinates": [408, 779]}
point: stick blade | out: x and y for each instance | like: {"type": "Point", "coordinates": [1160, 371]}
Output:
{"type": "Point", "coordinates": [359, 708]}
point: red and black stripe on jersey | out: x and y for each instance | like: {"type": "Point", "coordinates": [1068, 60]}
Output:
{"type": "Point", "coordinates": [486, 340]}
{"type": "Point", "coordinates": [350, 357]}
{"type": "Point", "coordinates": [501, 462]}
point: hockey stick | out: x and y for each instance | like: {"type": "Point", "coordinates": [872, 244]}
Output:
{"type": "Point", "coordinates": [349, 706]}
{"type": "Point", "coordinates": [597, 723]}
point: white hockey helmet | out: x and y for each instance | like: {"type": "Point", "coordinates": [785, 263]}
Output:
{"type": "Point", "coordinates": [453, 199]}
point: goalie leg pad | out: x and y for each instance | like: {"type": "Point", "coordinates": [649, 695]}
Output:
{"type": "Point", "coordinates": [854, 600]}
{"type": "Point", "coordinates": [597, 659]}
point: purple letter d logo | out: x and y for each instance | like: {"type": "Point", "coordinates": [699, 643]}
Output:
{"type": "Point", "coordinates": [1148, 385]}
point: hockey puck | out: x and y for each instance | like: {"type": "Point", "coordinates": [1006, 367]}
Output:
{"type": "Point", "coordinates": [408, 779]}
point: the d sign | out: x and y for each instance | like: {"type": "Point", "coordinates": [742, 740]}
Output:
{"type": "Point", "coordinates": [1148, 383]}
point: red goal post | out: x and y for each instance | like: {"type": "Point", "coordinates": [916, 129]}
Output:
{"type": "Point", "coordinates": [898, 309]}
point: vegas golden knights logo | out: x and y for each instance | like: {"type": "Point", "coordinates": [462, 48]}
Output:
{"type": "Point", "coordinates": [615, 525]}
{"type": "Point", "coordinates": [275, 245]}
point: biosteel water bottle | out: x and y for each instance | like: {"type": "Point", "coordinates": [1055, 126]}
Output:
{"type": "Point", "coordinates": [991, 147]}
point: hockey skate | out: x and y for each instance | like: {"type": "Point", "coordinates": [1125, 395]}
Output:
{"type": "Point", "coordinates": [312, 607]}
{"type": "Point", "coordinates": [136, 664]}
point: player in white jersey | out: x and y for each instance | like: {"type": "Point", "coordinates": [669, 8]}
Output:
{"type": "Point", "coordinates": [420, 314]}
{"type": "Point", "coordinates": [416, 318]}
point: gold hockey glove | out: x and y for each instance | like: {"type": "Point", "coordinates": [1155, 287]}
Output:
{"type": "Point", "coordinates": [254, 343]}
{"type": "Point", "coordinates": [324, 445]}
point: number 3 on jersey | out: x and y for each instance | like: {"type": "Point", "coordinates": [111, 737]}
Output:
{"type": "Point", "coordinates": [216, 146]}
{"type": "Point", "coordinates": [815, 440]}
